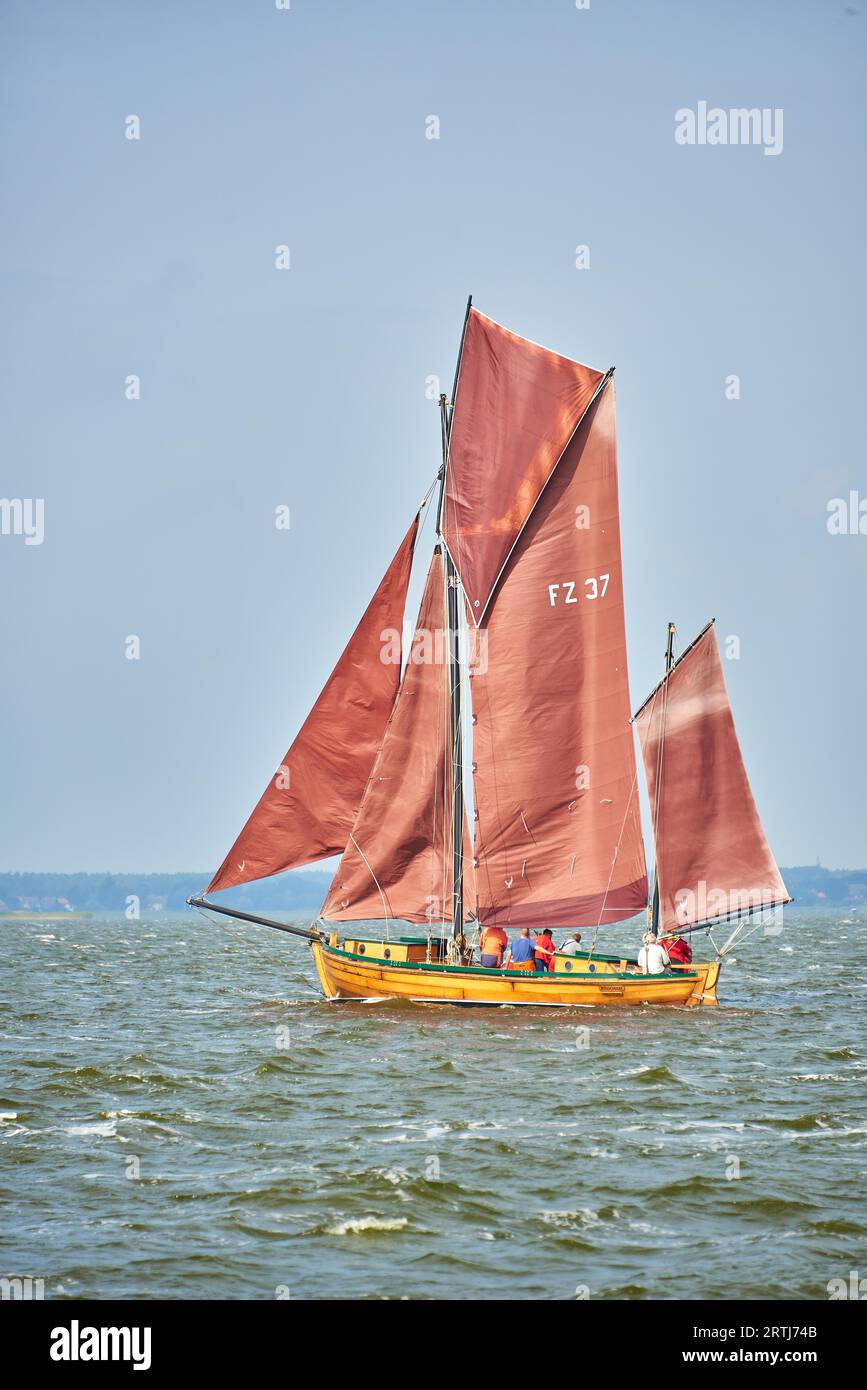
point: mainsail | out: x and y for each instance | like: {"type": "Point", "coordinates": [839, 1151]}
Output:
{"type": "Point", "coordinates": [307, 809]}
{"type": "Point", "coordinates": [558, 832]}
{"type": "Point", "coordinates": [516, 406]}
{"type": "Point", "coordinates": [398, 862]}
{"type": "Point", "coordinates": [713, 860]}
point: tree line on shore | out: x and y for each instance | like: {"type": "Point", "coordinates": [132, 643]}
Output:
{"type": "Point", "coordinates": [299, 891]}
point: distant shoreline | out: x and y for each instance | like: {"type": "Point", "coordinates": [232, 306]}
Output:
{"type": "Point", "coordinates": [41, 896]}
{"type": "Point", "coordinates": [45, 917]}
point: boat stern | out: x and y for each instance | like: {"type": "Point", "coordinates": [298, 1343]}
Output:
{"type": "Point", "coordinates": [704, 992]}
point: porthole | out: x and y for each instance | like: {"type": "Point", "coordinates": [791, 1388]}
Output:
{"type": "Point", "coordinates": [592, 968]}
{"type": "Point", "coordinates": [387, 953]}
{"type": "Point", "coordinates": [361, 948]}
{"type": "Point", "coordinates": [567, 965]}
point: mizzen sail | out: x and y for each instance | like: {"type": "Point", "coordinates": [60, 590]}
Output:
{"type": "Point", "coordinates": [516, 407]}
{"type": "Point", "coordinates": [558, 833]}
{"type": "Point", "coordinates": [712, 857]}
{"type": "Point", "coordinates": [307, 809]}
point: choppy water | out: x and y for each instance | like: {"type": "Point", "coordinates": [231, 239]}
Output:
{"type": "Point", "coordinates": [183, 1116]}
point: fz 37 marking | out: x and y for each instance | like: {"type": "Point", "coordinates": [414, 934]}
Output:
{"type": "Point", "coordinates": [596, 587]}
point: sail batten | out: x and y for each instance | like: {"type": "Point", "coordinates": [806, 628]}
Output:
{"type": "Point", "coordinates": [306, 811]}
{"type": "Point", "coordinates": [714, 862]}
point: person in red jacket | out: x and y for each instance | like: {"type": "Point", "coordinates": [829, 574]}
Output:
{"type": "Point", "coordinates": [679, 950]}
{"type": "Point", "coordinates": [543, 949]}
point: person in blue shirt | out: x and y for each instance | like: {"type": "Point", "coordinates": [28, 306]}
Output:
{"type": "Point", "coordinates": [520, 955]}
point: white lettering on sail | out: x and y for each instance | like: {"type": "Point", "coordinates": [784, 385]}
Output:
{"type": "Point", "coordinates": [596, 588]}
{"type": "Point", "coordinates": [592, 586]}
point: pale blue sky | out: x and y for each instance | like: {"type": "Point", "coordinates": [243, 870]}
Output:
{"type": "Point", "coordinates": [307, 387]}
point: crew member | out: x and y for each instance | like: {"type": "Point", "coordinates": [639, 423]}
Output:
{"type": "Point", "coordinates": [679, 950]}
{"type": "Point", "coordinates": [544, 949]}
{"type": "Point", "coordinates": [492, 945]}
{"type": "Point", "coordinates": [520, 955]}
{"type": "Point", "coordinates": [652, 958]}
{"type": "Point", "coordinates": [572, 946]}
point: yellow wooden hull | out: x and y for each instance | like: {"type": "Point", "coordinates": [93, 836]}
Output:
{"type": "Point", "coordinates": [345, 975]}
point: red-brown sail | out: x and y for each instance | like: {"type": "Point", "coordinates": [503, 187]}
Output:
{"type": "Point", "coordinates": [397, 862]}
{"type": "Point", "coordinates": [711, 853]}
{"type": "Point", "coordinates": [307, 809]}
{"type": "Point", "coordinates": [558, 833]}
{"type": "Point", "coordinates": [516, 407]}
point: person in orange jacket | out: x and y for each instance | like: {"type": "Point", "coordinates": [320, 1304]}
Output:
{"type": "Point", "coordinates": [491, 947]}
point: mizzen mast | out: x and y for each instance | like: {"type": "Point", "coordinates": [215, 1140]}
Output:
{"type": "Point", "coordinates": [654, 905]}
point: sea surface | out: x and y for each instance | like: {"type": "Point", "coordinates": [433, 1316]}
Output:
{"type": "Point", "coordinates": [184, 1117]}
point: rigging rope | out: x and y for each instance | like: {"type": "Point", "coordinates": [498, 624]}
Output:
{"type": "Point", "coordinates": [375, 879]}
{"type": "Point", "coordinates": [422, 506]}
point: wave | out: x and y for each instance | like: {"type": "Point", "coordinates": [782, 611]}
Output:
{"type": "Point", "coordinates": [106, 1129]}
{"type": "Point", "coordinates": [367, 1225]}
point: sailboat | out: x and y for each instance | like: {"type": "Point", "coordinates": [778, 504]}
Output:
{"type": "Point", "coordinates": [484, 775]}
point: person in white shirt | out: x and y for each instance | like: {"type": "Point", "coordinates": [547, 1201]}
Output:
{"type": "Point", "coordinates": [572, 946]}
{"type": "Point", "coordinates": [652, 958]}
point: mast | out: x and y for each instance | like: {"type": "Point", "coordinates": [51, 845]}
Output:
{"type": "Point", "coordinates": [456, 733]}
{"type": "Point", "coordinates": [454, 670]}
{"type": "Point", "coordinates": [654, 906]}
